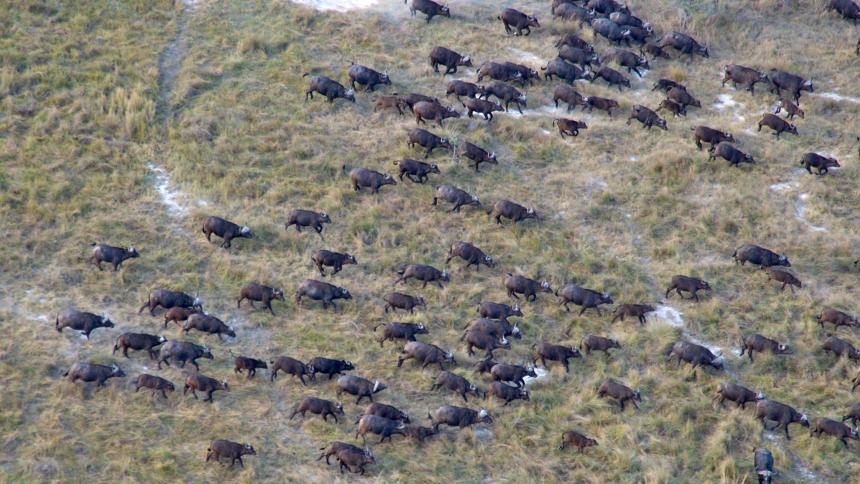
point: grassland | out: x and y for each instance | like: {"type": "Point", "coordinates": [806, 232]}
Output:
{"type": "Point", "coordinates": [624, 210]}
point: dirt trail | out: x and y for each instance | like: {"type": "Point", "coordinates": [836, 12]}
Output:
{"type": "Point", "coordinates": [170, 63]}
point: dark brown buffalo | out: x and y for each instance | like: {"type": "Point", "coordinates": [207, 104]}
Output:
{"type": "Point", "coordinates": [576, 439]}
{"type": "Point", "coordinates": [688, 284]}
{"type": "Point", "coordinates": [790, 83]}
{"type": "Point", "coordinates": [613, 77]}
{"type": "Point", "coordinates": [290, 366]}
{"type": "Point", "coordinates": [683, 43]}
{"type": "Point", "coordinates": [646, 116]}
{"type": "Point", "coordinates": [575, 55]}
{"type": "Point", "coordinates": [629, 60]}
{"type": "Point", "coordinates": [506, 94]}
{"type": "Point", "coordinates": [636, 310]}
{"type": "Point", "coordinates": [457, 417]}
{"type": "Point", "coordinates": [512, 373]}
{"type": "Point", "coordinates": [667, 84]}
{"type": "Point", "coordinates": [433, 111]}
{"type": "Point", "coordinates": [425, 354]}
{"type": "Point", "coordinates": [598, 343]}
{"type": "Point", "coordinates": [486, 342]}
{"type": "Point", "coordinates": [431, 9]}
{"type": "Point", "coordinates": [710, 135]}
{"type": "Point", "coordinates": [183, 351]}
{"type": "Point", "coordinates": [508, 393]}
{"type": "Point", "coordinates": [476, 154]}
{"type": "Point", "coordinates": [600, 103]}
{"type": "Point", "coordinates": [654, 50]}
{"type": "Point", "coordinates": [154, 383]}
{"type": "Point", "coordinates": [358, 386]}
{"type": "Point", "coordinates": [319, 406]}
{"type": "Point", "coordinates": [178, 314]}
{"type": "Point", "coordinates": [170, 299]}
{"type": "Point", "coordinates": [307, 218]}
{"type": "Point", "coordinates": [416, 171]}
{"type": "Point", "coordinates": [464, 88]}
{"type": "Point", "coordinates": [381, 426]}
{"type": "Point", "coordinates": [321, 291]}
{"type": "Point", "coordinates": [682, 97]}
{"type": "Point", "coordinates": [426, 140]}
{"type": "Point", "coordinates": [482, 107]}
{"type": "Point", "coordinates": [449, 59]}
{"type": "Point", "coordinates": [414, 98]}
{"type": "Point", "coordinates": [569, 95]}
{"type": "Point", "coordinates": [757, 342]}
{"type": "Point", "coordinates": [587, 298]}
{"type": "Point", "coordinates": [208, 324]}
{"type": "Point", "coordinates": [568, 127]}
{"type": "Point", "coordinates": [332, 259]}
{"type": "Point", "coordinates": [835, 429]}
{"type": "Point", "coordinates": [329, 88]}
{"type": "Point", "coordinates": [362, 177]}
{"type": "Point", "coordinates": [726, 151]}
{"type": "Point", "coordinates": [114, 255]}
{"type": "Point", "coordinates": [512, 211]}
{"type": "Point", "coordinates": [520, 21]}
{"type": "Point", "coordinates": [565, 70]}
{"type": "Point", "coordinates": [91, 372]}
{"type": "Point", "coordinates": [621, 393]}
{"type": "Point", "coordinates": [790, 108]}
{"type": "Point", "coordinates": [500, 72]}
{"type": "Point", "coordinates": [673, 107]}
{"type": "Point", "coordinates": [396, 300]}
{"type": "Point", "coordinates": [547, 351]}
{"type": "Point", "coordinates": [404, 331]}
{"type": "Point", "coordinates": [780, 413]}
{"type": "Point", "coordinates": [517, 284]}
{"type": "Point", "coordinates": [759, 256]}
{"type": "Point", "coordinates": [694, 354]}
{"type": "Point", "coordinates": [245, 363]}
{"type": "Point", "coordinates": [836, 318]}
{"type": "Point", "coordinates": [200, 383]}
{"type": "Point", "coordinates": [389, 102]}
{"type": "Point", "coordinates": [366, 76]}
{"type": "Point", "coordinates": [498, 311]}
{"type": "Point", "coordinates": [611, 31]}
{"type": "Point", "coordinates": [81, 321]}
{"type": "Point", "coordinates": [469, 253]}
{"type": "Point", "coordinates": [777, 124]}
{"type": "Point", "coordinates": [785, 277]}
{"type": "Point", "coordinates": [847, 8]}
{"type": "Point", "coordinates": [225, 229]}
{"type": "Point", "coordinates": [258, 292]}
{"type": "Point", "coordinates": [840, 347]}
{"type": "Point", "coordinates": [736, 393]}
{"type": "Point", "coordinates": [424, 273]}
{"type": "Point", "coordinates": [821, 163]}
{"type": "Point", "coordinates": [328, 366]}
{"type": "Point", "coordinates": [224, 449]}
{"type": "Point", "coordinates": [574, 40]}
{"type": "Point", "coordinates": [455, 383]}
{"type": "Point", "coordinates": [458, 197]}
{"type": "Point", "coordinates": [745, 76]}
{"type": "Point", "coordinates": [138, 342]}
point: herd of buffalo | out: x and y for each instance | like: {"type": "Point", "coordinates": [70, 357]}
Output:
{"type": "Point", "coordinates": [492, 331]}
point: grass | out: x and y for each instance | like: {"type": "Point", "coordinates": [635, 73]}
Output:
{"type": "Point", "coordinates": [625, 209]}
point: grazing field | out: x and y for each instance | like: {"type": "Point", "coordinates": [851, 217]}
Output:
{"type": "Point", "coordinates": [128, 123]}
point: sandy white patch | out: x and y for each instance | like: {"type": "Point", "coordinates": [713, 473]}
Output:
{"type": "Point", "coordinates": [781, 187]}
{"type": "Point", "coordinates": [173, 200]}
{"type": "Point", "coordinates": [525, 56]}
{"type": "Point", "coordinates": [338, 5]}
{"type": "Point", "coordinates": [837, 97]}
{"type": "Point", "coordinates": [669, 315]}
{"type": "Point", "coordinates": [540, 372]}
{"type": "Point", "coordinates": [725, 101]}
{"type": "Point", "coordinates": [800, 213]}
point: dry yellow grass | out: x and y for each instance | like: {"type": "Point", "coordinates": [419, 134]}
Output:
{"type": "Point", "coordinates": [624, 208]}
